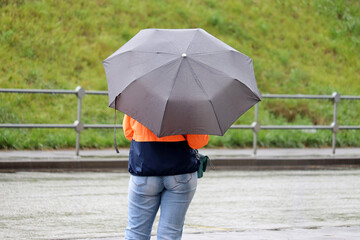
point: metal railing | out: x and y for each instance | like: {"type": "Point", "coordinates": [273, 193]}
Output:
{"type": "Point", "coordinates": [78, 126]}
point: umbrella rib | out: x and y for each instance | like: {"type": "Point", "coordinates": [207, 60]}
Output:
{"type": "Point", "coordinates": [172, 44]}
{"type": "Point", "coordinates": [157, 68]}
{"type": "Point", "coordinates": [219, 71]}
{"type": "Point", "coordinates": [220, 52]}
{"type": "Point", "coordinates": [167, 101]}
{"type": "Point", "coordinates": [191, 41]}
{"type": "Point", "coordinates": [209, 53]}
{"type": "Point", "coordinates": [136, 51]}
{"type": "Point", "coordinates": [149, 72]}
{"type": "Point", "coordinates": [154, 52]}
{"type": "Point", "coordinates": [207, 66]}
{"type": "Point", "coordinates": [202, 88]}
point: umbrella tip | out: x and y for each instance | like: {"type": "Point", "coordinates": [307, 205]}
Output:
{"type": "Point", "coordinates": [184, 55]}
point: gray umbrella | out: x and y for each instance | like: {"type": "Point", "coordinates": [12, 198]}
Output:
{"type": "Point", "coordinates": [180, 81]}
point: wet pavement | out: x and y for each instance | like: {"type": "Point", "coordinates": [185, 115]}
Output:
{"type": "Point", "coordinates": [108, 160]}
{"type": "Point", "coordinates": [268, 153]}
{"type": "Point", "coordinates": [286, 204]}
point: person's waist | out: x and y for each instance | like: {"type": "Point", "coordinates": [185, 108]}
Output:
{"type": "Point", "coordinates": [154, 138]}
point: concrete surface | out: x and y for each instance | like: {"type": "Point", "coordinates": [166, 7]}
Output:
{"type": "Point", "coordinates": [228, 205]}
{"type": "Point", "coordinates": [212, 152]}
{"type": "Point", "coordinates": [302, 158]}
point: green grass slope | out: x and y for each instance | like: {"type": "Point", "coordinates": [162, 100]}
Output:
{"type": "Point", "coordinates": [307, 47]}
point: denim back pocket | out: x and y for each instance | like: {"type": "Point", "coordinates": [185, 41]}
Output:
{"type": "Point", "coordinates": [183, 178]}
{"type": "Point", "coordinates": [138, 180]}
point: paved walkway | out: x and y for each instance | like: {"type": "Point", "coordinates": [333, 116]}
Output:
{"type": "Point", "coordinates": [228, 205]}
{"type": "Point", "coordinates": [222, 158]}
{"type": "Point", "coordinates": [212, 152]}
{"type": "Point", "coordinates": [327, 233]}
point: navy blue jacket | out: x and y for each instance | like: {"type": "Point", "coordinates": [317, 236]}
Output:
{"type": "Point", "coordinates": [161, 158]}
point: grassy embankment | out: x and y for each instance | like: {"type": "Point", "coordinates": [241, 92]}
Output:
{"type": "Point", "coordinates": [307, 47]}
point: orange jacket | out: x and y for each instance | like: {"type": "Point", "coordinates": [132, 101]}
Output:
{"type": "Point", "coordinates": [134, 130]}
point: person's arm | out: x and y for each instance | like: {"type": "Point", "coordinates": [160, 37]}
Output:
{"type": "Point", "coordinates": [128, 131]}
{"type": "Point", "coordinates": [197, 141]}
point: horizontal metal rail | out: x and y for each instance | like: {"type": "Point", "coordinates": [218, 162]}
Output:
{"type": "Point", "coordinates": [33, 125]}
{"type": "Point", "coordinates": [102, 126]}
{"type": "Point", "coordinates": [95, 92]}
{"type": "Point", "coordinates": [42, 91]}
{"type": "Point", "coordinates": [255, 126]}
{"type": "Point", "coordinates": [265, 127]}
{"type": "Point", "coordinates": [241, 127]}
{"type": "Point", "coordinates": [294, 127]}
{"type": "Point", "coordinates": [296, 96]}
{"type": "Point", "coordinates": [349, 127]}
{"type": "Point", "coordinates": [42, 125]}
{"type": "Point", "coordinates": [350, 97]}
{"type": "Point", "coordinates": [91, 92]}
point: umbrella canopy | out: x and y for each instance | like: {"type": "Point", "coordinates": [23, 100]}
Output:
{"type": "Point", "coordinates": [181, 81]}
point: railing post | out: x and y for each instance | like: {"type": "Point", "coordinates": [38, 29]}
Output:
{"type": "Point", "coordinates": [255, 127]}
{"type": "Point", "coordinates": [334, 124]}
{"type": "Point", "coordinates": [79, 126]}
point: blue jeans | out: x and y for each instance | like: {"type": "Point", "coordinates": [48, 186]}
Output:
{"type": "Point", "coordinates": [172, 194]}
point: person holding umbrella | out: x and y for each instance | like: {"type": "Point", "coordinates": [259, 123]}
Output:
{"type": "Point", "coordinates": [163, 175]}
{"type": "Point", "coordinates": [175, 86]}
